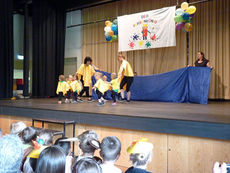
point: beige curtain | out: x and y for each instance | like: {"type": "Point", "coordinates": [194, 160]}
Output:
{"type": "Point", "coordinates": [210, 34]}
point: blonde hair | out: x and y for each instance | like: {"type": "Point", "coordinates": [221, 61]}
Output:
{"type": "Point", "coordinates": [121, 55]}
{"type": "Point", "coordinates": [113, 75]}
{"type": "Point", "coordinates": [98, 74]}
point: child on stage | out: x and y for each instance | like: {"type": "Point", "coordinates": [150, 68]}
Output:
{"type": "Point", "coordinates": [115, 88]}
{"type": "Point", "coordinates": [100, 87]}
{"type": "Point", "coordinates": [126, 76]}
{"type": "Point", "coordinates": [76, 87]}
{"type": "Point", "coordinates": [62, 89]}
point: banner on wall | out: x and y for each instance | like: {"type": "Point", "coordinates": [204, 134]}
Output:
{"type": "Point", "coordinates": [145, 30]}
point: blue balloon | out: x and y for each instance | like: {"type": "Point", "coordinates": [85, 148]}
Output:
{"type": "Point", "coordinates": [185, 16]}
{"type": "Point", "coordinates": [115, 32]}
{"type": "Point", "coordinates": [108, 38]}
{"type": "Point", "coordinates": [114, 28]}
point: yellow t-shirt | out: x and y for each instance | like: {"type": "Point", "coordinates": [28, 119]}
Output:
{"type": "Point", "coordinates": [87, 72]}
{"type": "Point", "coordinates": [76, 86]}
{"type": "Point", "coordinates": [126, 69]}
{"type": "Point", "coordinates": [115, 84]}
{"type": "Point", "coordinates": [102, 86]}
{"type": "Point", "coordinates": [62, 87]}
{"type": "Point", "coordinates": [69, 83]}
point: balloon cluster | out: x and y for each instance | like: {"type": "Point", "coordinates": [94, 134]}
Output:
{"type": "Point", "coordinates": [111, 30]}
{"type": "Point", "coordinates": [184, 17]}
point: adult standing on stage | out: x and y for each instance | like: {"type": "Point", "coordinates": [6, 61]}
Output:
{"type": "Point", "coordinates": [85, 73]}
{"type": "Point", "coordinates": [126, 75]}
{"type": "Point", "coordinates": [202, 61]}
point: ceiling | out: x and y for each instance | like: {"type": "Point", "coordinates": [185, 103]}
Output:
{"type": "Point", "coordinates": [67, 4]}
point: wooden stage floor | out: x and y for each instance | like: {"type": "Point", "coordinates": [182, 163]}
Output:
{"type": "Point", "coordinates": [217, 112]}
{"type": "Point", "coordinates": [211, 120]}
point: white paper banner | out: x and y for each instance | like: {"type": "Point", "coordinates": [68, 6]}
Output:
{"type": "Point", "coordinates": [145, 30]}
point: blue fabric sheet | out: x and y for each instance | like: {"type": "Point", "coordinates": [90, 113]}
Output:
{"type": "Point", "coordinates": [185, 85]}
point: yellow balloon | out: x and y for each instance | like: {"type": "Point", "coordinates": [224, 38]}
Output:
{"type": "Point", "coordinates": [184, 5]}
{"type": "Point", "coordinates": [191, 9]}
{"type": "Point", "coordinates": [188, 27]}
{"type": "Point", "coordinates": [110, 23]}
{"type": "Point", "coordinates": [107, 22]}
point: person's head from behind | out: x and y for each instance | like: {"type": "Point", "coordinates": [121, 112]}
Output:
{"type": "Point", "coordinates": [51, 160]}
{"type": "Point", "coordinates": [87, 165]}
{"type": "Point", "coordinates": [200, 55]}
{"type": "Point", "coordinates": [113, 76]}
{"type": "Point", "coordinates": [29, 134]}
{"type": "Point", "coordinates": [121, 57]}
{"type": "Point", "coordinates": [135, 73]}
{"type": "Point", "coordinates": [61, 78]}
{"type": "Point", "coordinates": [65, 145]}
{"type": "Point", "coordinates": [110, 149]}
{"type": "Point", "coordinates": [46, 137]}
{"type": "Point", "coordinates": [11, 153]}
{"type": "Point", "coordinates": [98, 75]}
{"type": "Point", "coordinates": [88, 61]}
{"type": "Point", "coordinates": [140, 153]}
{"type": "Point", "coordinates": [104, 78]}
{"type": "Point", "coordinates": [88, 142]}
{"type": "Point", "coordinates": [17, 128]}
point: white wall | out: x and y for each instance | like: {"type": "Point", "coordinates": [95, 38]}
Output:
{"type": "Point", "coordinates": [73, 42]}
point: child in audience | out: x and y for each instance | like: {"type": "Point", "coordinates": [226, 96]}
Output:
{"type": "Point", "coordinates": [88, 143]}
{"type": "Point", "coordinates": [51, 160]}
{"type": "Point", "coordinates": [28, 135]}
{"type": "Point", "coordinates": [76, 88]}
{"type": "Point", "coordinates": [110, 152]}
{"type": "Point", "coordinates": [140, 155]}
{"type": "Point", "coordinates": [100, 87]}
{"type": "Point", "coordinates": [62, 89]}
{"type": "Point", "coordinates": [44, 140]}
{"type": "Point", "coordinates": [17, 128]}
{"type": "Point", "coordinates": [11, 153]}
{"type": "Point", "coordinates": [66, 146]}
{"type": "Point", "coordinates": [115, 87]}
{"type": "Point", "coordinates": [87, 165]}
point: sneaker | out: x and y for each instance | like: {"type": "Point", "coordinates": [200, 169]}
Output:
{"type": "Point", "coordinates": [114, 104]}
{"type": "Point", "coordinates": [128, 101]}
{"type": "Point", "coordinates": [100, 104]}
{"type": "Point", "coordinates": [80, 100]}
{"type": "Point", "coordinates": [121, 100]}
{"type": "Point", "coordinates": [67, 101]}
{"type": "Point", "coordinates": [74, 101]}
{"type": "Point", "coordinates": [90, 100]}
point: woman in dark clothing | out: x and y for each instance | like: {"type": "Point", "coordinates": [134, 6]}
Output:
{"type": "Point", "coordinates": [202, 61]}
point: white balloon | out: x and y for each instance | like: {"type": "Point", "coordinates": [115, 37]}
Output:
{"type": "Point", "coordinates": [107, 29]}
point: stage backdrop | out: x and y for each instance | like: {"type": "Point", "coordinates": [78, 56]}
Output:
{"type": "Point", "coordinates": [185, 85]}
{"type": "Point", "coordinates": [150, 29]}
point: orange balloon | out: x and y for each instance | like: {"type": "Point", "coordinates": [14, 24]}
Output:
{"type": "Point", "coordinates": [111, 33]}
{"type": "Point", "coordinates": [188, 27]}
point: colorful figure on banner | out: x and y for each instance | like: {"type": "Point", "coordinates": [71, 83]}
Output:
{"type": "Point", "coordinates": [148, 44]}
{"type": "Point", "coordinates": [145, 31]}
{"type": "Point", "coordinates": [135, 37]}
{"type": "Point", "coordinates": [184, 16]}
{"type": "Point", "coordinates": [111, 30]}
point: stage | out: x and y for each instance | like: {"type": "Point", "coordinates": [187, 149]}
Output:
{"type": "Point", "coordinates": [209, 121]}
